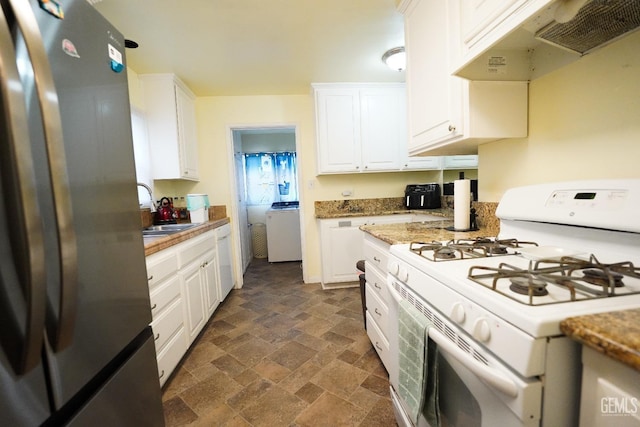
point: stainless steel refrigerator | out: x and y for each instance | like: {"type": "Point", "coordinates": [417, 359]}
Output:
{"type": "Point", "coordinates": [75, 343]}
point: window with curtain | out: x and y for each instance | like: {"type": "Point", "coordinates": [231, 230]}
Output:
{"type": "Point", "coordinates": [270, 177]}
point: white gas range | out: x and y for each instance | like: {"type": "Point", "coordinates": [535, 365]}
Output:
{"type": "Point", "coordinates": [563, 250]}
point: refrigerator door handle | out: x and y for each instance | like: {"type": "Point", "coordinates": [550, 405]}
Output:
{"type": "Point", "coordinates": [60, 336]}
{"type": "Point", "coordinates": [21, 338]}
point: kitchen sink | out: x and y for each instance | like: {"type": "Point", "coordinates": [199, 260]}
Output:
{"type": "Point", "coordinates": [165, 229]}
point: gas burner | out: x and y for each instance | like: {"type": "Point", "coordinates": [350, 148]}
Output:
{"type": "Point", "coordinates": [495, 249]}
{"type": "Point", "coordinates": [444, 252]}
{"type": "Point", "coordinates": [601, 278]}
{"type": "Point", "coordinates": [529, 286]}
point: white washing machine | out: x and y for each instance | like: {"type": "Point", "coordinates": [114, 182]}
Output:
{"type": "Point", "coordinates": [283, 232]}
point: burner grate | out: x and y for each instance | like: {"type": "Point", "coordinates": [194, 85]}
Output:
{"type": "Point", "coordinates": [575, 278]}
{"type": "Point", "coordinates": [481, 247]}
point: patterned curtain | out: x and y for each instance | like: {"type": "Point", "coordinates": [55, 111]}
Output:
{"type": "Point", "coordinates": [270, 177]}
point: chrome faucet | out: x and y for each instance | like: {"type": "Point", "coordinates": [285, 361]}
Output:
{"type": "Point", "coordinates": [153, 205]}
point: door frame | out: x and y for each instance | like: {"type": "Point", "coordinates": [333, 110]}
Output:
{"type": "Point", "coordinates": [233, 187]}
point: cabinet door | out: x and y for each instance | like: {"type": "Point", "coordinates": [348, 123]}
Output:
{"type": "Point", "coordinates": [211, 283]}
{"type": "Point", "coordinates": [338, 119]}
{"type": "Point", "coordinates": [422, 163]}
{"type": "Point", "coordinates": [171, 126]}
{"type": "Point", "coordinates": [188, 142]}
{"type": "Point", "coordinates": [434, 96]}
{"type": "Point", "coordinates": [194, 299]}
{"type": "Point", "coordinates": [342, 243]}
{"type": "Point", "coordinates": [382, 120]}
{"type": "Point", "coordinates": [460, 162]}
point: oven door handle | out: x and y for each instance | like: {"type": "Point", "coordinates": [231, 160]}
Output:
{"type": "Point", "coordinates": [489, 375]}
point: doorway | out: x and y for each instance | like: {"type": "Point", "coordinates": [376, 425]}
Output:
{"type": "Point", "coordinates": [249, 141]}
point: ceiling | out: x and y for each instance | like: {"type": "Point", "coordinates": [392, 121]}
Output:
{"type": "Point", "coordinates": [259, 47]}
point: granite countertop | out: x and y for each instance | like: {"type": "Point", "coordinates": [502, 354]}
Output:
{"type": "Point", "coordinates": [615, 334]}
{"type": "Point", "coordinates": [153, 244]}
{"type": "Point", "coordinates": [426, 231]}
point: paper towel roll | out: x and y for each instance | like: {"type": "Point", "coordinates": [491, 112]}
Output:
{"type": "Point", "coordinates": [461, 203]}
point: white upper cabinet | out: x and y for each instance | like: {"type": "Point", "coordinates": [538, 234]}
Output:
{"type": "Point", "coordinates": [524, 39]}
{"type": "Point", "coordinates": [338, 129]}
{"type": "Point", "coordinates": [460, 162]}
{"type": "Point", "coordinates": [382, 122]}
{"type": "Point", "coordinates": [171, 123]}
{"type": "Point", "coordinates": [449, 115]}
{"type": "Point", "coordinates": [484, 23]}
{"type": "Point", "coordinates": [359, 127]}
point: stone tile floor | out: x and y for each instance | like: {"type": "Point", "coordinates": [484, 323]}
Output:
{"type": "Point", "coordinates": [281, 353]}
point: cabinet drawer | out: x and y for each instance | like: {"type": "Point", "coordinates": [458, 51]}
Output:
{"type": "Point", "coordinates": [376, 252]}
{"type": "Point", "coordinates": [167, 323]}
{"type": "Point", "coordinates": [378, 282]}
{"type": "Point", "coordinates": [378, 340]}
{"type": "Point", "coordinates": [161, 265]}
{"type": "Point", "coordinates": [171, 354]}
{"type": "Point", "coordinates": [196, 248]}
{"type": "Point", "coordinates": [162, 295]}
{"type": "Point", "coordinates": [378, 310]}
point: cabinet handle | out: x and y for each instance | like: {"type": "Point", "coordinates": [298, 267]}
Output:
{"type": "Point", "coordinates": [161, 374]}
{"type": "Point", "coordinates": [154, 306]}
{"type": "Point", "coordinates": [375, 258]}
{"type": "Point", "coordinates": [377, 286]}
{"type": "Point", "coordinates": [156, 337]}
{"type": "Point", "coordinates": [452, 128]}
{"type": "Point", "coordinates": [377, 312]}
{"type": "Point", "coordinates": [150, 278]}
{"type": "Point", "coordinates": [377, 346]}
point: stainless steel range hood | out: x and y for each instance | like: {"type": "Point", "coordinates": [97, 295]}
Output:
{"type": "Point", "coordinates": [555, 36]}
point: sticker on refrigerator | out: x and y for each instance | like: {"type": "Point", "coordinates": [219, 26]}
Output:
{"type": "Point", "coordinates": [116, 59]}
{"type": "Point", "coordinates": [52, 7]}
{"type": "Point", "coordinates": [69, 48]}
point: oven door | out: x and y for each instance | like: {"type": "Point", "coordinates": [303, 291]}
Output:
{"type": "Point", "coordinates": [474, 387]}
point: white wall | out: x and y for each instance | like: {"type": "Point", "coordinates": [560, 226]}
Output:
{"type": "Point", "coordinates": [584, 123]}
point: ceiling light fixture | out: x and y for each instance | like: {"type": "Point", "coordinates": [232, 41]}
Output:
{"type": "Point", "coordinates": [395, 58]}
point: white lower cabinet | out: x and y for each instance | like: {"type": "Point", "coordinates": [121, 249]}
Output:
{"type": "Point", "coordinates": [224, 261]}
{"type": "Point", "coordinates": [167, 311]}
{"type": "Point", "coordinates": [184, 291]}
{"type": "Point", "coordinates": [610, 392]}
{"type": "Point", "coordinates": [379, 324]}
{"type": "Point", "coordinates": [379, 341]}
{"type": "Point", "coordinates": [341, 243]}
{"type": "Point", "coordinates": [192, 286]}
{"type": "Point", "coordinates": [211, 283]}
{"type": "Point", "coordinates": [199, 279]}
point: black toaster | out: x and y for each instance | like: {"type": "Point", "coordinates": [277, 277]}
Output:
{"type": "Point", "coordinates": [422, 196]}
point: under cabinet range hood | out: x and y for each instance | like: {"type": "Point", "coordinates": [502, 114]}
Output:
{"type": "Point", "coordinates": [535, 37]}
{"type": "Point", "coordinates": [595, 24]}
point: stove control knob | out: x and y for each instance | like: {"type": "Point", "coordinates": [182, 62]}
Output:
{"type": "Point", "coordinates": [403, 274]}
{"type": "Point", "coordinates": [482, 330]}
{"type": "Point", "coordinates": [457, 313]}
{"type": "Point", "coordinates": [393, 268]}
